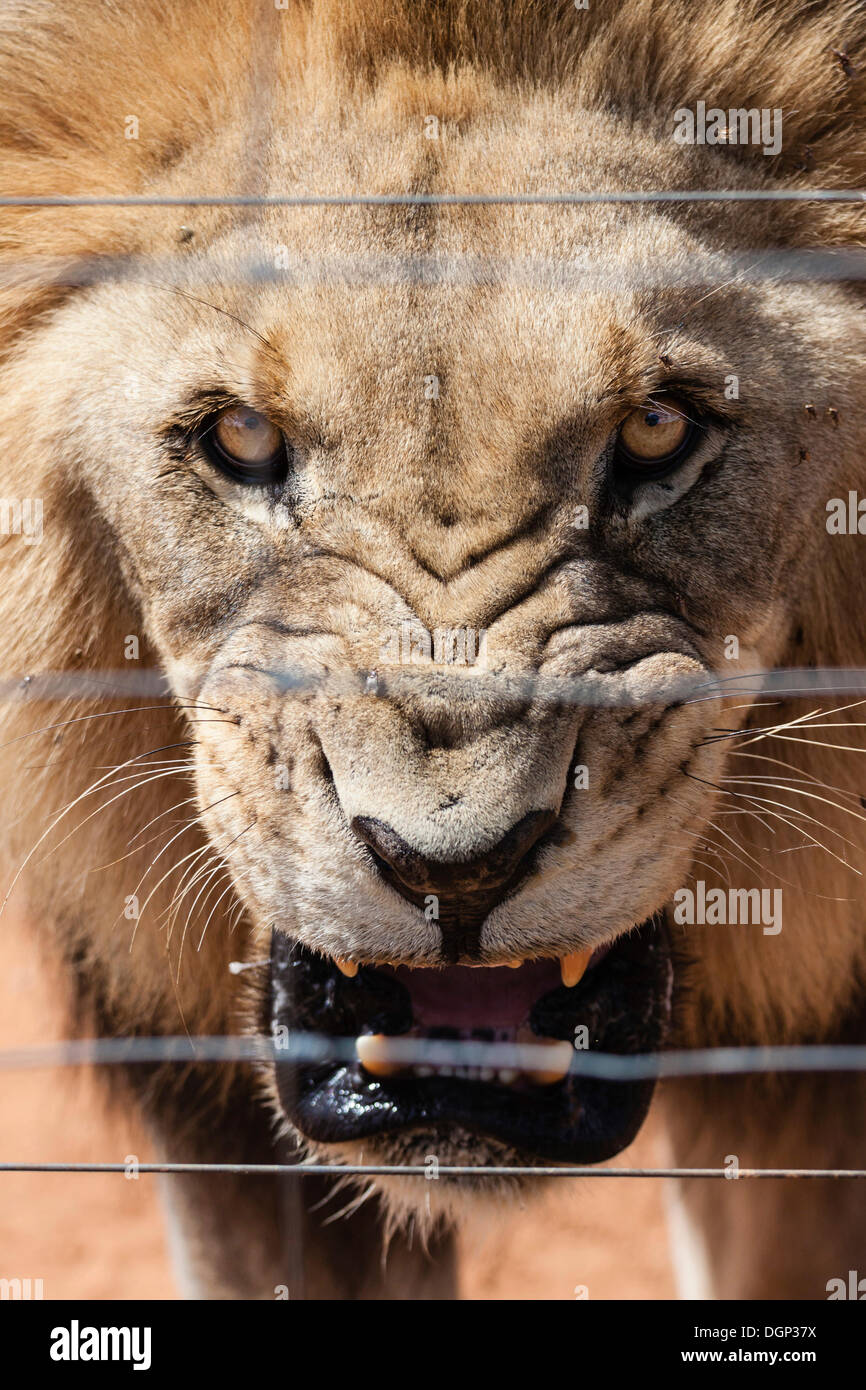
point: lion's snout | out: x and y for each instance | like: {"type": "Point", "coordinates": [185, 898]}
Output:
{"type": "Point", "coordinates": [461, 892]}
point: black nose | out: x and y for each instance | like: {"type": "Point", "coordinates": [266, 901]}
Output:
{"type": "Point", "coordinates": [467, 891]}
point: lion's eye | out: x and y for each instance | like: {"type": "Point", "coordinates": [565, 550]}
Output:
{"type": "Point", "coordinates": [657, 436]}
{"type": "Point", "coordinates": [246, 445]}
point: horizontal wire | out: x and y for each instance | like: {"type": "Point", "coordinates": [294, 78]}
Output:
{"type": "Point", "coordinates": [278, 265]}
{"type": "Point", "coordinates": [309, 200]}
{"type": "Point", "coordinates": [316, 1048]}
{"type": "Point", "coordinates": [593, 688]}
{"type": "Point", "coordinates": [387, 1170]}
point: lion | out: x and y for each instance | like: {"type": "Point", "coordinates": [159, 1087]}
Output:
{"type": "Point", "coordinates": [387, 673]}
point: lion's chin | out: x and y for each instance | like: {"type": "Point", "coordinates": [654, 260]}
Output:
{"type": "Point", "coordinates": [438, 1068]}
{"type": "Point", "coordinates": [424, 1205]}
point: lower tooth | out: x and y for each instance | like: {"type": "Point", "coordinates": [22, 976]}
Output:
{"type": "Point", "coordinates": [372, 1050]}
{"type": "Point", "coordinates": [555, 1063]}
{"type": "Point", "coordinates": [375, 1052]}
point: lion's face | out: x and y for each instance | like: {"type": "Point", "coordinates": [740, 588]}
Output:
{"type": "Point", "coordinates": [442, 503]}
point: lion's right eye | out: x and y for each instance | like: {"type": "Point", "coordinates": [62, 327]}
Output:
{"type": "Point", "coordinates": [246, 445]}
{"type": "Point", "coordinates": [654, 439]}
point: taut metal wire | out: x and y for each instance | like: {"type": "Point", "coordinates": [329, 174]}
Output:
{"type": "Point", "coordinates": [311, 200]}
{"type": "Point", "coordinates": [312, 1048]}
{"type": "Point", "coordinates": [315, 1048]}
{"type": "Point", "coordinates": [412, 1170]}
{"type": "Point", "coordinates": [592, 688]}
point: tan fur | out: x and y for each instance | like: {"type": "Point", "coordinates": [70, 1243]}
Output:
{"type": "Point", "coordinates": [450, 514]}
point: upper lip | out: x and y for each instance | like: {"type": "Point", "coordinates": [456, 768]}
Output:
{"type": "Point", "coordinates": [623, 1002]}
{"type": "Point", "coordinates": [466, 892]}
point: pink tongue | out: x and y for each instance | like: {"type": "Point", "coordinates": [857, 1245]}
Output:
{"type": "Point", "coordinates": [459, 996]}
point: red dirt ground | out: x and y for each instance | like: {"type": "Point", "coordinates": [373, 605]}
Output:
{"type": "Point", "coordinates": [94, 1236]}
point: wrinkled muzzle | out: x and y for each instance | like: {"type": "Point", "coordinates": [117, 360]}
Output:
{"type": "Point", "coordinates": [410, 829]}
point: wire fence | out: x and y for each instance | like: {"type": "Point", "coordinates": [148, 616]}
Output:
{"type": "Point", "coordinates": [592, 689]}
{"type": "Point", "coordinates": [278, 264]}
{"type": "Point", "coordinates": [312, 1049]}
{"type": "Point", "coordinates": [443, 1056]}
{"type": "Point", "coordinates": [445, 1170]}
{"type": "Point", "coordinates": [345, 200]}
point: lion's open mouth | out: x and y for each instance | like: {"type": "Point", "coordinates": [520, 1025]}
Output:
{"type": "Point", "coordinates": [408, 1074]}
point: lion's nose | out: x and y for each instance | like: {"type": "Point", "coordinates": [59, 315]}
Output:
{"type": "Point", "coordinates": [473, 886]}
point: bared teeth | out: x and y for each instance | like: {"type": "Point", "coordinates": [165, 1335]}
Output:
{"type": "Point", "coordinates": [574, 966]}
{"type": "Point", "coordinates": [551, 1062]}
{"type": "Point", "coordinates": [557, 1061]}
{"type": "Point", "coordinates": [373, 1050]}
{"type": "Point", "coordinates": [346, 967]}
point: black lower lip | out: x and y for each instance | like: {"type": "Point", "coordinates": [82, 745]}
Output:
{"type": "Point", "coordinates": [624, 1002]}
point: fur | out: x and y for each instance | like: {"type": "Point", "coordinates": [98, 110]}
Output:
{"type": "Point", "coordinates": [117, 328]}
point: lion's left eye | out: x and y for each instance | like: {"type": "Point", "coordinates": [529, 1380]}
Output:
{"type": "Point", "coordinates": [656, 437]}
{"type": "Point", "coordinates": [246, 445]}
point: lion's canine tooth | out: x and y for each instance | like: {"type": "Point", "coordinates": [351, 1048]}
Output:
{"type": "Point", "coordinates": [372, 1050]}
{"type": "Point", "coordinates": [574, 966]}
{"type": "Point", "coordinates": [346, 967]}
{"type": "Point", "coordinates": [559, 1055]}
